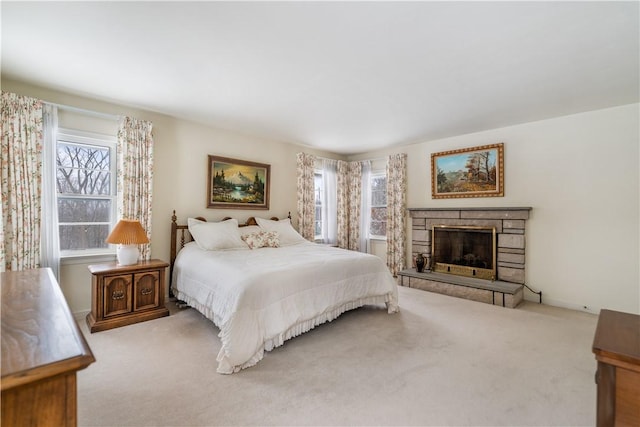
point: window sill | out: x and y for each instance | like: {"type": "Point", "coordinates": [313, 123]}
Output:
{"type": "Point", "coordinates": [378, 238]}
{"type": "Point", "coordinates": [87, 258]}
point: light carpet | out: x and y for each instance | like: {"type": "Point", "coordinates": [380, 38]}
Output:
{"type": "Point", "coordinates": [440, 361]}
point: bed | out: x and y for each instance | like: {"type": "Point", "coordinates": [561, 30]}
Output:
{"type": "Point", "coordinates": [261, 283]}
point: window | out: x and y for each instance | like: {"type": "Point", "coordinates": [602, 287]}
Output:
{"type": "Point", "coordinates": [378, 220]}
{"type": "Point", "coordinates": [319, 194]}
{"type": "Point", "coordinates": [86, 191]}
{"type": "Point", "coordinates": [378, 224]}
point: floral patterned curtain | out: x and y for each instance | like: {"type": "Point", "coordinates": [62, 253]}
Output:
{"type": "Point", "coordinates": [21, 182]}
{"type": "Point", "coordinates": [354, 184]}
{"type": "Point", "coordinates": [306, 195]}
{"type": "Point", "coordinates": [348, 204]}
{"type": "Point", "coordinates": [342, 208]}
{"type": "Point", "coordinates": [396, 207]}
{"type": "Point", "coordinates": [135, 174]}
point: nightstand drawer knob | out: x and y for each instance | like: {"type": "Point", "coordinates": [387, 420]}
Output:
{"type": "Point", "coordinates": [146, 291]}
{"type": "Point", "coordinates": [116, 295]}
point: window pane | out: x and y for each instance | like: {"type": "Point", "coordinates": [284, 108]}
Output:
{"type": "Point", "coordinates": [82, 169]}
{"type": "Point", "coordinates": [378, 228]}
{"type": "Point", "coordinates": [82, 156]}
{"type": "Point", "coordinates": [378, 221]}
{"type": "Point", "coordinates": [318, 196]}
{"type": "Point", "coordinates": [379, 183]}
{"type": "Point", "coordinates": [379, 214]}
{"type": "Point", "coordinates": [83, 181]}
{"type": "Point", "coordinates": [74, 237]}
{"type": "Point", "coordinates": [378, 225]}
{"type": "Point", "coordinates": [318, 188]}
{"type": "Point", "coordinates": [378, 198]}
{"type": "Point", "coordinates": [84, 210]}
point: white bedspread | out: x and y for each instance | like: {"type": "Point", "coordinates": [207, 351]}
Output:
{"type": "Point", "coordinates": [260, 298]}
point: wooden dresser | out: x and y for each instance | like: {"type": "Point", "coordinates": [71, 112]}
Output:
{"type": "Point", "coordinates": [617, 348]}
{"type": "Point", "coordinates": [42, 349]}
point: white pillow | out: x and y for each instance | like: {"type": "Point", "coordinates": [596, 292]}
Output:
{"type": "Point", "coordinates": [212, 236]}
{"type": "Point", "coordinates": [288, 235]}
{"type": "Point", "coordinates": [249, 229]}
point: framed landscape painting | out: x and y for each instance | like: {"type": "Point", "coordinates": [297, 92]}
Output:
{"type": "Point", "coordinates": [237, 184]}
{"type": "Point", "coordinates": [468, 172]}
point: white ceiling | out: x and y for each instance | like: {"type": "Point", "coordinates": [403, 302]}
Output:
{"type": "Point", "coordinates": [348, 77]}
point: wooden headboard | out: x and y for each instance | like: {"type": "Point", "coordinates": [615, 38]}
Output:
{"type": "Point", "coordinates": [180, 236]}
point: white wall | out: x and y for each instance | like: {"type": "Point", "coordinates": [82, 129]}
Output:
{"type": "Point", "coordinates": [579, 173]}
{"type": "Point", "coordinates": [180, 180]}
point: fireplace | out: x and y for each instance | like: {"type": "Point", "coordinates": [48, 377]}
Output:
{"type": "Point", "coordinates": [464, 250]}
{"type": "Point", "coordinates": [474, 253]}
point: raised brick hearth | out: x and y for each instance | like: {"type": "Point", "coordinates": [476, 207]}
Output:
{"type": "Point", "coordinates": [510, 232]}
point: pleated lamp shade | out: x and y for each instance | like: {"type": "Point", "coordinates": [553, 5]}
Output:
{"type": "Point", "coordinates": [128, 234]}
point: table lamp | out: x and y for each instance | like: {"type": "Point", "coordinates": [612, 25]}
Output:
{"type": "Point", "coordinates": [127, 234]}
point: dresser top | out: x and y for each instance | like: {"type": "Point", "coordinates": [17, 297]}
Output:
{"type": "Point", "coordinates": [40, 337]}
{"type": "Point", "coordinates": [618, 336]}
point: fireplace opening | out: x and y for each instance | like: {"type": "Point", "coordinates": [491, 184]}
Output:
{"type": "Point", "coordinates": [465, 251]}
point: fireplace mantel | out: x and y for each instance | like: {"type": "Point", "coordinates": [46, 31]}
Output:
{"type": "Point", "coordinates": [509, 223]}
{"type": "Point", "coordinates": [503, 208]}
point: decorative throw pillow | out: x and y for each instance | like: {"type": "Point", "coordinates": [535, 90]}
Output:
{"type": "Point", "coordinates": [262, 239]}
{"type": "Point", "coordinates": [288, 235]}
{"type": "Point", "coordinates": [212, 236]}
{"type": "Point", "coordinates": [253, 240]}
{"type": "Point", "coordinates": [271, 239]}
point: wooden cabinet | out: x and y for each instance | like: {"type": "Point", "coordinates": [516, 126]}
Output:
{"type": "Point", "coordinates": [122, 295]}
{"type": "Point", "coordinates": [42, 349]}
{"type": "Point", "coordinates": [617, 348]}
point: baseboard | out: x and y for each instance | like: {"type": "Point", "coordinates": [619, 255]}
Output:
{"type": "Point", "coordinates": [80, 315]}
{"type": "Point", "coordinates": [563, 304]}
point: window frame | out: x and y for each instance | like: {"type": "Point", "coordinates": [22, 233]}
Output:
{"type": "Point", "coordinates": [83, 138]}
{"type": "Point", "coordinates": [374, 175]}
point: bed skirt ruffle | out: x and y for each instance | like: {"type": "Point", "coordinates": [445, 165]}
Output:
{"type": "Point", "coordinates": [224, 364]}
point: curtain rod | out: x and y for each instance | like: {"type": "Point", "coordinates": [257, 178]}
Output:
{"type": "Point", "coordinates": [84, 111]}
{"type": "Point", "coordinates": [363, 160]}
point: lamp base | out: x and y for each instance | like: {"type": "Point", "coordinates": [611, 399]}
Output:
{"type": "Point", "coordinates": [127, 254]}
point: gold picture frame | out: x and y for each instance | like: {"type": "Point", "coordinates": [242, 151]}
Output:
{"type": "Point", "coordinates": [468, 172]}
{"type": "Point", "coordinates": [237, 184]}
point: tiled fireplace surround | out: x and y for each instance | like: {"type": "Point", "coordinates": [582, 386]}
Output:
{"type": "Point", "coordinates": [510, 231]}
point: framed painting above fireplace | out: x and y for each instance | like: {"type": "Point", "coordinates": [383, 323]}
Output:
{"type": "Point", "coordinates": [468, 172]}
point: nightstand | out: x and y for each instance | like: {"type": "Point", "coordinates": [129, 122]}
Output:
{"type": "Point", "coordinates": [122, 295]}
